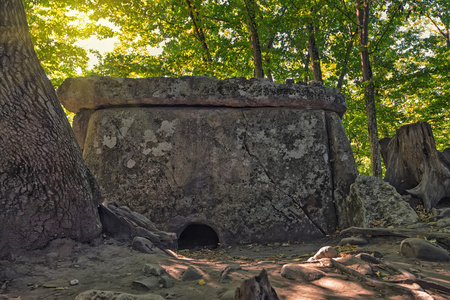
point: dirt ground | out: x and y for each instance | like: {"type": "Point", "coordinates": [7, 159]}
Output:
{"type": "Point", "coordinates": [110, 265]}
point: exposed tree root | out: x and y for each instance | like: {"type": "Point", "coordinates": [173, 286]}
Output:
{"type": "Point", "coordinates": [441, 238]}
{"type": "Point", "coordinates": [387, 286]}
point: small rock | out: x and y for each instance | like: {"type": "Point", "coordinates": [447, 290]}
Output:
{"type": "Point", "coordinates": [353, 241]}
{"type": "Point", "coordinates": [146, 282]}
{"type": "Point", "coordinates": [165, 281]}
{"type": "Point", "coordinates": [171, 296]}
{"type": "Point", "coordinates": [191, 274]}
{"type": "Point", "coordinates": [235, 267]}
{"type": "Point", "coordinates": [422, 249]}
{"type": "Point", "coordinates": [143, 245]}
{"type": "Point", "coordinates": [153, 269]}
{"type": "Point", "coordinates": [325, 252]}
{"type": "Point", "coordinates": [296, 271]}
{"type": "Point", "coordinates": [74, 282]}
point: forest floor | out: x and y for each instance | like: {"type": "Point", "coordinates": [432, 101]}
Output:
{"type": "Point", "coordinates": [113, 266]}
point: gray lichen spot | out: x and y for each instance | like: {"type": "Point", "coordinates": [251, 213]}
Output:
{"type": "Point", "coordinates": [130, 163]}
{"type": "Point", "coordinates": [109, 141]}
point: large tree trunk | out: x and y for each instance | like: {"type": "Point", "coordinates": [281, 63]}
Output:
{"type": "Point", "coordinates": [46, 191]}
{"type": "Point", "coordinates": [413, 164]}
{"type": "Point", "coordinates": [254, 36]}
{"type": "Point", "coordinates": [362, 13]}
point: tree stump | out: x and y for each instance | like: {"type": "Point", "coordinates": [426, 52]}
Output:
{"type": "Point", "coordinates": [256, 288]}
{"type": "Point", "coordinates": [415, 166]}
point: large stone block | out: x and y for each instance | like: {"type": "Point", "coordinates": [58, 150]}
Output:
{"type": "Point", "coordinates": [253, 173]}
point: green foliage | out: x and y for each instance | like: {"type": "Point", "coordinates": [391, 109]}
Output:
{"type": "Point", "coordinates": [408, 45]}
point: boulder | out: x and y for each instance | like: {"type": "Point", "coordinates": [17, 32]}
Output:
{"type": "Point", "coordinates": [373, 201]}
{"type": "Point", "coordinates": [422, 249]}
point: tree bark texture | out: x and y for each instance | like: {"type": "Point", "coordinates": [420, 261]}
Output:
{"type": "Point", "coordinates": [362, 14]}
{"type": "Point", "coordinates": [256, 288]}
{"type": "Point", "coordinates": [415, 166]}
{"type": "Point", "coordinates": [250, 6]}
{"type": "Point", "coordinates": [46, 191]}
{"type": "Point", "coordinates": [314, 53]}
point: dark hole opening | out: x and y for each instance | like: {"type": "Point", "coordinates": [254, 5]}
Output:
{"type": "Point", "coordinates": [198, 236]}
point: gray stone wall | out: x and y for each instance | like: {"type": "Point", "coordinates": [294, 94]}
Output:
{"type": "Point", "coordinates": [255, 160]}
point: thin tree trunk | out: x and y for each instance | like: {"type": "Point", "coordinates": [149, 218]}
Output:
{"type": "Point", "coordinates": [346, 58]}
{"type": "Point", "coordinates": [250, 5]}
{"type": "Point", "coordinates": [314, 53]}
{"type": "Point", "coordinates": [306, 68]}
{"type": "Point", "coordinates": [362, 14]}
{"type": "Point", "coordinates": [199, 32]}
{"type": "Point", "coordinates": [46, 191]}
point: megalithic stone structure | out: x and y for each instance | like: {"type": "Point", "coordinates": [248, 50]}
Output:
{"type": "Point", "coordinates": [254, 160]}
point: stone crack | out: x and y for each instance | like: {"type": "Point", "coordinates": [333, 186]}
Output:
{"type": "Point", "coordinates": [273, 183]}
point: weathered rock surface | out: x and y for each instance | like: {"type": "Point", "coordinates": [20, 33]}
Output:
{"type": "Point", "coordinates": [99, 92]}
{"type": "Point", "coordinates": [373, 200]}
{"type": "Point", "coordinates": [255, 161]}
{"type": "Point", "coordinates": [420, 248]}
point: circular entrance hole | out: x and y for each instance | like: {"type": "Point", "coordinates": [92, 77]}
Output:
{"type": "Point", "coordinates": [198, 236]}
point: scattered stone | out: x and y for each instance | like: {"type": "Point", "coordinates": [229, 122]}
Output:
{"type": "Point", "coordinates": [153, 269]}
{"type": "Point", "coordinates": [110, 295]}
{"type": "Point", "coordinates": [353, 241]}
{"type": "Point", "coordinates": [171, 296]}
{"type": "Point", "coordinates": [422, 249]}
{"type": "Point", "coordinates": [374, 202]}
{"type": "Point", "coordinates": [300, 272]}
{"type": "Point", "coordinates": [166, 281]}
{"type": "Point", "coordinates": [256, 288]}
{"type": "Point", "coordinates": [325, 252]}
{"type": "Point", "coordinates": [191, 274]}
{"type": "Point", "coordinates": [146, 282]}
{"type": "Point", "coordinates": [235, 267]}
{"type": "Point", "coordinates": [74, 282]}
{"type": "Point", "coordinates": [144, 245]}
